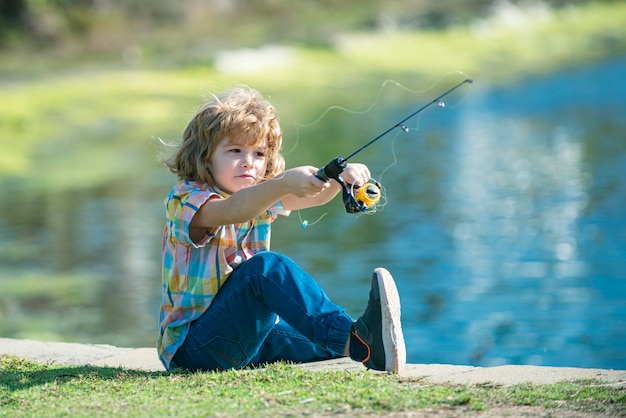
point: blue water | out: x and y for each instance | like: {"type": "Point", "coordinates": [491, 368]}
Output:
{"type": "Point", "coordinates": [505, 227]}
{"type": "Point", "coordinates": [533, 208]}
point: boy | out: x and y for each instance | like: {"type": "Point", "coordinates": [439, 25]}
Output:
{"type": "Point", "coordinates": [228, 301]}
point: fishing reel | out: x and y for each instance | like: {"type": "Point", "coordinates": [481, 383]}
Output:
{"type": "Point", "coordinates": [362, 199]}
{"type": "Point", "coordinates": [355, 199]}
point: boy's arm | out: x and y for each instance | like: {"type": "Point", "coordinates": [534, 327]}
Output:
{"type": "Point", "coordinates": [250, 202]}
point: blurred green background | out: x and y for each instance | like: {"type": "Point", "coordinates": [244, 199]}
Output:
{"type": "Point", "coordinates": [91, 88]}
{"type": "Point", "coordinates": [124, 71]}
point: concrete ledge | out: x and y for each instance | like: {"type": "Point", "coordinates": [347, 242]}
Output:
{"type": "Point", "coordinates": [499, 375]}
{"type": "Point", "coordinates": [60, 353]}
{"type": "Point", "coordinates": [145, 359]}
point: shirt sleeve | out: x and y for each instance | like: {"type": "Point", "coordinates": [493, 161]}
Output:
{"type": "Point", "coordinates": [182, 205]}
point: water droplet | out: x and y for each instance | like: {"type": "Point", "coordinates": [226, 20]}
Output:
{"type": "Point", "coordinates": [404, 128]}
{"type": "Point", "coordinates": [441, 104]}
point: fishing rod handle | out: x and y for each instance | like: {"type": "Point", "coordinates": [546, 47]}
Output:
{"type": "Point", "coordinates": [332, 169]}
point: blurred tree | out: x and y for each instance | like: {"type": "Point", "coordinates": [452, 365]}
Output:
{"type": "Point", "coordinates": [55, 21]}
{"type": "Point", "coordinates": [12, 13]}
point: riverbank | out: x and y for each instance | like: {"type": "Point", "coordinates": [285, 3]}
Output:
{"type": "Point", "coordinates": [66, 379]}
{"type": "Point", "coordinates": [145, 359]}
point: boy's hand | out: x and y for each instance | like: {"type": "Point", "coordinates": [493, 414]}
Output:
{"type": "Point", "coordinates": [356, 173]}
{"type": "Point", "coordinates": [307, 190]}
{"type": "Point", "coordinates": [302, 182]}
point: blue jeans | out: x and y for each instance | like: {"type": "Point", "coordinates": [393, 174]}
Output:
{"type": "Point", "coordinates": [268, 310]}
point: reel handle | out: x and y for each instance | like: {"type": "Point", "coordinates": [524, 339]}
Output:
{"type": "Point", "coordinates": [332, 169]}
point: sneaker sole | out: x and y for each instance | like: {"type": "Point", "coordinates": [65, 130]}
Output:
{"type": "Point", "coordinates": [393, 339]}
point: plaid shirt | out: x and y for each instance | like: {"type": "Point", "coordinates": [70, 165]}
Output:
{"type": "Point", "coordinates": [193, 273]}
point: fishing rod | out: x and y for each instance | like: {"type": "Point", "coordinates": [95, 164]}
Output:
{"type": "Point", "coordinates": [362, 199]}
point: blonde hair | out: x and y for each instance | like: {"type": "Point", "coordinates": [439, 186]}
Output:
{"type": "Point", "coordinates": [240, 113]}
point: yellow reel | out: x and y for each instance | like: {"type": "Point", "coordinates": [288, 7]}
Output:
{"type": "Point", "coordinates": [369, 194]}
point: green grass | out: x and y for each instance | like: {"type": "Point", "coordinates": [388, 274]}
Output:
{"type": "Point", "coordinates": [504, 47]}
{"type": "Point", "coordinates": [103, 115]}
{"type": "Point", "coordinates": [32, 389]}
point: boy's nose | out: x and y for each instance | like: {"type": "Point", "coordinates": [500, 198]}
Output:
{"type": "Point", "coordinates": [247, 160]}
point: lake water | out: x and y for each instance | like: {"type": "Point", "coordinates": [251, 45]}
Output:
{"type": "Point", "coordinates": [504, 227]}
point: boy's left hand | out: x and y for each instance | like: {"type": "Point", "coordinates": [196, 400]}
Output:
{"type": "Point", "coordinates": [356, 173]}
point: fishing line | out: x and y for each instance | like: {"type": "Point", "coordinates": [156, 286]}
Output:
{"type": "Point", "coordinates": [335, 167]}
{"type": "Point", "coordinates": [393, 155]}
{"type": "Point", "coordinates": [367, 199]}
{"type": "Point", "coordinates": [416, 126]}
{"type": "Point", "coordinates": [384, 85]}
{"type": "Point", "coordinates": [401, 124]}
{"type": "Point", "coordinates": [305, 223]}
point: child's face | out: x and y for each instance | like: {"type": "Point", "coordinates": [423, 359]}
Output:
{"type": "Point", "coordinates": [236, 165]}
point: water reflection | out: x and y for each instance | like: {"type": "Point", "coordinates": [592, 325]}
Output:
{"type": "Point", "coordinates": [516, 205]}
{"type": "Point", "coordinates": [516, 202]}
{"type": "Point", "coordinates": [504, 228]}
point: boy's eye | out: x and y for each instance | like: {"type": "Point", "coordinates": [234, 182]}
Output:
{"type": "Point", "coordinates": [260, 153]}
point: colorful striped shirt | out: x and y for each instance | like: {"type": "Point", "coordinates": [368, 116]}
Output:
{"type": "Point", "coordinates": [193, 272]}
